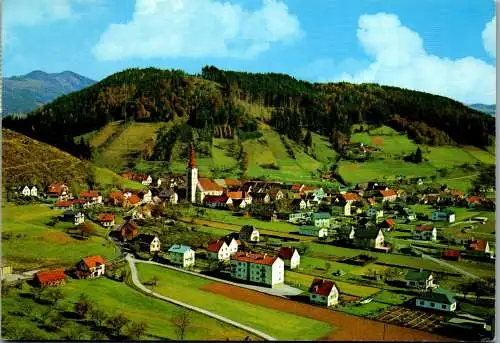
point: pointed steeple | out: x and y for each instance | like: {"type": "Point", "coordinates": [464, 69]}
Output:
{"type": "Point", "coordinates": [192, 158]}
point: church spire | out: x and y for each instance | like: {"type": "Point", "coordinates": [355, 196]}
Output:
{"type": "Point", "coordinates": [192, 159]}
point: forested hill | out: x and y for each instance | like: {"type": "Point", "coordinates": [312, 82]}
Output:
{"type": "Point", "coordinates": [214, 98]}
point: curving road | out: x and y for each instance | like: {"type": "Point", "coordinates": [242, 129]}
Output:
{"type": "Point", "coordinates": [138, 284]}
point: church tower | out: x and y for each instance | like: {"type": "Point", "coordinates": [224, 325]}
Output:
{"type": "Point", "coordinates": [192, 176]}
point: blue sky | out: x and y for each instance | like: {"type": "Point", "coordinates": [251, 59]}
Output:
{"type": "Point", "coordinates": [440, 46]}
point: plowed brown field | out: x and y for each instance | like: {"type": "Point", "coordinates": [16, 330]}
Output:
{"type": "Point", "coordinates": [347, 327]}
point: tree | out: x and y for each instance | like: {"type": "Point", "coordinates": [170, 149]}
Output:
{"type": "Point", "coordinates": [308, 139]}
{"type": "Point", "coordinates": [86, 229]}
{"type": "Point", "coordinates": [99, 317]}
{"type": "Point", "coordinates": [55, 294]}
{"type": "Point", "coordinates": [137, 330]}
{"type": "Point", "coordinates": [83, 306]}
{"type": "Point", "coordinates": [117, 322]}
{"type": "Point", "coordinates": [418, 156]}
{"type": "Point", "coordinates": [58, 321]}
{"type": "Point", "coordinates": [485, 180]}
{"type": "Point", "coordinates": [181, 322]}
{"type": "Point", "coordinates": [154, 281]}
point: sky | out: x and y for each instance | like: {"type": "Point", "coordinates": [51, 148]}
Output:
{"type": "Point", "coordinates": [445, 47]}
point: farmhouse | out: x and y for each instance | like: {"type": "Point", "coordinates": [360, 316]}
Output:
{"type": "Point", "coordinates": [90, 267]}
{"type": "Point", "coordinates": [261, 198]}
{"type": "Point", "coordinates": [445, 215]}
{"type": "Point", "coordinates": [425, 233]}
{"type": "Point", "coordinates": [479, 247]}
{"type": "Point", "coordinates": [131, 200]}
{"type": "Point", "coordinates": [388, 224]}
{"type": "Point", "coordinates": [92, 197]}
{"type": "Point", "coordinates": [258, 268]}
{"type": "Point", "coordinates": [115, 198]}
{"type": "Point", "coordinates": [341, 209]}
{"type": "Point", "coordinates": [387, 195]}
{"type": "Point", "coordinates": [437, 299]}
{"type": "Point", "coordinates": [320, 219]}
{"type": "Point", "coordinates": [75, 217]}
{"type": "Point", "coordinates": [146, 196]}
{"type": "Point", "coordinates": [148, 243]}
{"type": "Point", "coordinates": [451, 254]}
{"type": "Point", "coordinates": [182, 255]}
{"type": "Point", "coordinates": [371, 238]}
{"type": "Point", "coordinates": [169, 195]}
{"type": "Point", "coordinates": [350, 197]}
{"type": "Point", "coordinates": [276, 194]}
{"type": "Point", "coordinates": [473, 201]}
{"type": "Point", "coordinates": [298, 217]}
{"type": "Point", "coordinates": [239, 203]}
{"type": "Point", "coordinates": [315, 231]}
{"type": "Point", "coordinates": [64, 204]}
{"type": "Point", "coordinates": [290, 257]}
{"type": "Point", "coordinates": [218, 250]}
{"type": "Point", "coordinates": [146, 180]}
{"type": "Point", "coordinates": [206, 187]}
{"type": "Point", "coordinates": [419, 279]}
{"type": "Point", "coordinates": [58, 190]}
{"type": "Point", "coordinates": [107, 219]}
{"type": "Point", "coordinates": [128, 231]}
{"type": "Point", "coordinates": [232, 243]}
{"type": "Point", "coordinates": [218, 201]}
{"type": "Point", "coordinates": [249, 233]}
{"type": "Point", "coordinates": [49, 278]}
{"type": "Point", "coordinates": [323, 292]}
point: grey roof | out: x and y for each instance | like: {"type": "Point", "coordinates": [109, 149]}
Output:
{"type": "Point", "coordinates": [179, 248]}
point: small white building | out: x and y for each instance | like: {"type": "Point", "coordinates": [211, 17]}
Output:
{"type": "Point", "coordinates": [182, 255]}
{"type": "Point", "coordinates": [147, 197]}
{"type": "Point", "coordinates": [419, 279]}
{"type": "Point", "coordinates": [425, 233]}
{"type": "Point", "coordinates": [107, 219]}
{"type": "Point", "coordinates": [249, 233]}
{"type": "Point", "coordinates": [149, 243]}
{"type": "Point", "coordinates": [323, 292]}
{"type": "Point", "coordinates": [258, 268]}
{"type": "Point", "coordinates": [309, 230]}
{"type": "Point", "coordinates": [290, 257]}
{"type": "Point", "coordinates": [438, 299]}
{"type": "Point", "coordinates": [218, 250]}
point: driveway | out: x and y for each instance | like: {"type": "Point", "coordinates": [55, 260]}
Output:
{"type": "Point", "coordinates": [135, 279]}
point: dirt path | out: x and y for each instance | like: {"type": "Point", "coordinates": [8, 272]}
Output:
{"type": "Point", "coordinates": [347, 327]}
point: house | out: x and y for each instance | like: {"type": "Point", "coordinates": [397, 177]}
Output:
{"type": "Point", "coordinates": [388, 224]}
{"type": "Point", "coordinates": [451, 254]}
{"type": "Point", "coordinates": [91, 267]}
{"type": "Point", "coordinates": [296, 188]}
{"type": "Point", "coordinates": [29, 192]}
{"type": "Point", "coordinates": [425, 233]}
{"type": "Point", "coordinates": [64, 204]}
{"type": "Point", "coordinates": [478, 246]}
{"type": "Point", "coordinates": [298, 217]}
{"type": "Point", "coordinates": [75, 217]}
{"type": "Point", "coordinates": [239, 203]}
{"type": "Point", "coordinates": [258, 268]}
{"type": "Point", "coordinates": [115, 198]}
{"type": "Point", "coordinates": [275, 194]}
{"type": "Point", "coordinates": [437, 299]}
{"type": "Point", "coordinates": [131, 200]}
{"type": "Point", "coordinates": [351, 197]}
{"type": "Point", "coordinates": [107, 219]}
{"type": "Point", "coordinates": [371, 238]}
{"type": "Point", "coordinates": [323, 292]}
{"type": "Point", "coordinates": [182, 254]}
{"type": "Point", "coordinates": [146, 180]}
{"type": "Point", "coordinates": [445, 215]}
{"type": "Point", "coordinates": [148, 243]}
{"type": "Point", "coordinates": [169, 196]}
{"type": "Point", "coordinates": [473, 201]}
{"type": "Point", "coordinates": [235, 195]}
{"type": "Point", "coordinates": [249, 233]}
{"type": "Point", "coordinates": [311, 199]}
{"type": "Point", "coordinates": [128, 231]}
{"type": "Point", "coordinates": [409, 214]}
{"type": "Point", "coordinates": [261, 198]}
{"type": "Point", "coordinates": [218, 201]}
{"type": "Point", "coordinates": [49, 278]}
{"type": "Point", "coordinates": [374, 212]}
{"type": "Point", "coordinates": [387, 195]}
{"type": "Point", "coordinates": [93, 197]}
{"type": "Point", "coordinates": [218, 250]}
{"type": "Point", "coordinates": [290, 257]}
{"type": "Point", "coordinates": [419, 279]}
{"type": "Point", "coordinates": [462, 238]}
{"type": "Point", "coordinates": [206, 187]}
{"type": "Point", "coordinates": [315, 231]}
{"type": "Point", "coordinates": [340, 209]}
{"type": "Point", "coordinates": [146, 196]}
{"type": "Point", "coordinates": [320, 219]}
{"type": "Point", "coordinates": [58, 190]}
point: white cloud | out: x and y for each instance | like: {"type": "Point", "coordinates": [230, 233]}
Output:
{"type": "Point", "coordinates": [201, 28]}
{"type": "Point", "coordinates": [489, 37]}
{"type": "Point", "coordinates": [400, 59]}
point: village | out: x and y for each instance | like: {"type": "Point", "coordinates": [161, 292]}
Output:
{"type": "Point", "coordinates": [416, 249]}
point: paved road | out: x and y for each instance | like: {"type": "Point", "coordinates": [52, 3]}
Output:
{"type": "Point", "coordinates": [280, 290]}
{"type": "Point", "coordinates": [137, 283]}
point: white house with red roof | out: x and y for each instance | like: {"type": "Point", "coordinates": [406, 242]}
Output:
{"type": "Point", "coordinates": [258, 268]}
{"type": "Point", "coordinates": [323, 292]}
{"type": "Point", "coordinates": [107, 219]}
{"type": "Point", "coordinates": [91, 266]}
{"type": "Point", "coordinates": [58, 190]}
{"type": "Point", "coordinates": [425, 233]}
{"type": "Point", "coordinates": [290, 257]}
{"type": "Point", "coordinates": [387, 195]}
{"type": "Point", "coordinates": [92, 197]}
{"type": "Point", "coordinates": [218, 250]}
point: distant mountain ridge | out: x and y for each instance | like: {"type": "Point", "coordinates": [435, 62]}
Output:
{"type": "Point", "coordinates": [488, 109]}
{"type": "Point", "coordinates": [23, 94]}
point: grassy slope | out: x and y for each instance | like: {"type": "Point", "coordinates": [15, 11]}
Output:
{"type": "Point", "coordinates": [42, 245]}
{"type": "Point", "coordinates": [118, 297]}
{"type": "Point", "coordinates": [187, 288]}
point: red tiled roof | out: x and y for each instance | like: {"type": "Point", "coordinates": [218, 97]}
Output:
{"type": "Point", "coordinates": [372, 200]}
{"type": "Point", "coordinates": [50, 275]}
{"type": "Point", "coordinates": [456, 192]}
{"type": "Point", "coordinates": [92, 261]}
{"type": "Point", "coordinates": [209, 185]}
{"type": "Point", "coordinates": [89, 194]}
{"type": "Point", "coordinates": [254, 258]}
{"type": "Point", "coordinates": [390, 221]}
{"type": "Point", "coordinates": [286, 253]}
{"type": "Point", "coordinates": [474, 199]}
{"type": "Point", "coordinates": [296, 187]}
{"type": "Point", "coordinates": [451, 253]}
{"type": "Point", "coordinates": [387, 193]}
{"type": "Point", "coordinates": [56, 188]}
{"type": "Point", "coordinates": [116, 195]}
{"type": "Point", "coordinates": [232, 182]}
{"type": "Point", "coordinates": [477, 244]}
{"type": "Point", "coordinates": [133, 199]}
{"type": "Point", "coordinates": [106, 217]}
{"type": "Point", "coordinates": [310, 188]}
{"type": "Point", "coordinates": [215, 245]}
{"type": "Point", "coordinates": [64, 203]}
{"type": "Point", "coordinates": [139, 177]}
{"type": "Point", "coordinates": [321, 287]}
{"type": "Point", "coordinates": [424, 228]}
{"type": "Point", "coordinates": [235, 195]}
{"type": "Point", "coordinates": [351, 197]}
{"type": "Point", "coordinates": [218, 199]}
